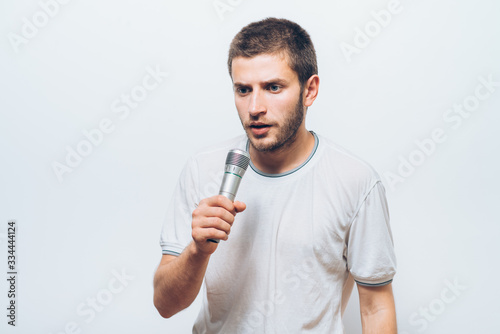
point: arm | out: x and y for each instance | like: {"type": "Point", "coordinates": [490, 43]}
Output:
{"type": "Point", "coordinates": [378, 312]}
{"type": "Point", "coordinates": [178, 280]}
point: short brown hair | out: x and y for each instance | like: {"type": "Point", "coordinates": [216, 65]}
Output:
{"type": "Point", "coordinates": [275, 36]}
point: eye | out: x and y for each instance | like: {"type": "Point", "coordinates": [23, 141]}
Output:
{"type": "Point", "coordinates": [242, 90]}
{"type": "Point", "coordinates": [274, 88]}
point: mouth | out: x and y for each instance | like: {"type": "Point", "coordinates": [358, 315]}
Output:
{"type": "Point", "coordinates": [259, 129]}
{"type": "Point", "coordinates": [259, 126]}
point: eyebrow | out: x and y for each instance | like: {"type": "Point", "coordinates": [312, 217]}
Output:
{"type": "Point", "coordinates": [264, 83]}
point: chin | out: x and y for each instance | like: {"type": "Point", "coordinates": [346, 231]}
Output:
{"type": "Point", "coordinates": [264, 144]}
{"type": "Point", "coordinates": [259, 143]}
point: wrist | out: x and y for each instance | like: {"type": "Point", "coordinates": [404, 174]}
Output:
{"type": "Point", "coordinates": [196, 254]}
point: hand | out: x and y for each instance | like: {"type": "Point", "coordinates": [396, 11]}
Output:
{"type": "Point", "coordinates": [212, 219]}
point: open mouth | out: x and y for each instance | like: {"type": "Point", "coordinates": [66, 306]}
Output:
{"type": "Point", "coordinates": [259, 126]}
{"type": "Point", "coordinates": [259, 129]}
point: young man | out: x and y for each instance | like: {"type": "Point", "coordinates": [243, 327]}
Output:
{"type": "Point", "coordinates": [311, 218]}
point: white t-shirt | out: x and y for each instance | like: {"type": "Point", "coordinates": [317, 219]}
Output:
{"type": "Point", "coordinates": [292, 255]}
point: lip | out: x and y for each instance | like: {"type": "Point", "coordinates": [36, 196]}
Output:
{"type": "Point", "coordinates": [259, 131]}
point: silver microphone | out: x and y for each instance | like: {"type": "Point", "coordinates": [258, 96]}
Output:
{"type": "Point", "coordinates": [236, 165]}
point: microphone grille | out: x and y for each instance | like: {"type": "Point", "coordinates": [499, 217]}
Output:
{"type": "Point", "coordinates": [238, 158]}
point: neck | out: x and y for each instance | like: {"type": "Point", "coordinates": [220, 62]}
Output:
{"type": "Point", "coordinates": [287, 157]}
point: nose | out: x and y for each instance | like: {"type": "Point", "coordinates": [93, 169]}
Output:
{"type": "Point", "coordinates": [257, 105]}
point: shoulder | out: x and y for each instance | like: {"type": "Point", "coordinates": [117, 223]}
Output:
{"type": "Point", "coordinates": [346, 165]}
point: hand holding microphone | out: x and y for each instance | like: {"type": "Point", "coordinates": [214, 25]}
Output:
{"type": "Point", "coordinates": [214, 216]}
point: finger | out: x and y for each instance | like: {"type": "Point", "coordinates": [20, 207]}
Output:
{"type": "Point", "coordinates": [220, 201]}
{"type": "Point", "coordinates": [214, 222]}
{"type": "Point", "coordinates": [203, 234]}
{"type": "Point", "coordinates": [239, 206]}
{"type": "Point", "coordinates": [217, 212]}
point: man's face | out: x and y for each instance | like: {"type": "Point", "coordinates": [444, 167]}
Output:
{"type": "Point", "coordinates": [269, 100]}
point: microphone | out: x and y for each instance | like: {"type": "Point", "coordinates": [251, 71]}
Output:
{"type": "Point", "coordinates": [236, 165]}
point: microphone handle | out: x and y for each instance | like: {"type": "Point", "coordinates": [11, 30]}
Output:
{"type": "Point", "coordinates": [231, 197]}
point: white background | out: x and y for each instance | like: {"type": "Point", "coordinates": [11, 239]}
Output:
{"type": "Point", "coordinates": [105, 215]}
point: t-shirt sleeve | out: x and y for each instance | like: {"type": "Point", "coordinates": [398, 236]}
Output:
{"type": "Point", "coordinates": [176, 229]}
{"type": "Point", "coordinates": [370, 248]}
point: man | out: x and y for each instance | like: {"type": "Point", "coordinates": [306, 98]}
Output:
{"type": "Point", "coordinates": [311, 218]}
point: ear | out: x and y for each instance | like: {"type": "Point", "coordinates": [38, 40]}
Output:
{"type": "Point", "coordinates": [311, 89]}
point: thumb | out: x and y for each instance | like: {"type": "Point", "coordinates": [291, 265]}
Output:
{"type": "Point", "coordinates": [239, 206]}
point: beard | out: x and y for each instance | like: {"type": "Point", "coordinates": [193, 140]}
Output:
{"type": "Point", "coordinates": [287, 131]}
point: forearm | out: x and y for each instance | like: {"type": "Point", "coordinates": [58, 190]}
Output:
{"type": "Point", "coordinates": [177, 283]}
{"type": "Point", "coordinates": [378, 310]}
{"type": "Point", "coordinates": [380, 321]}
